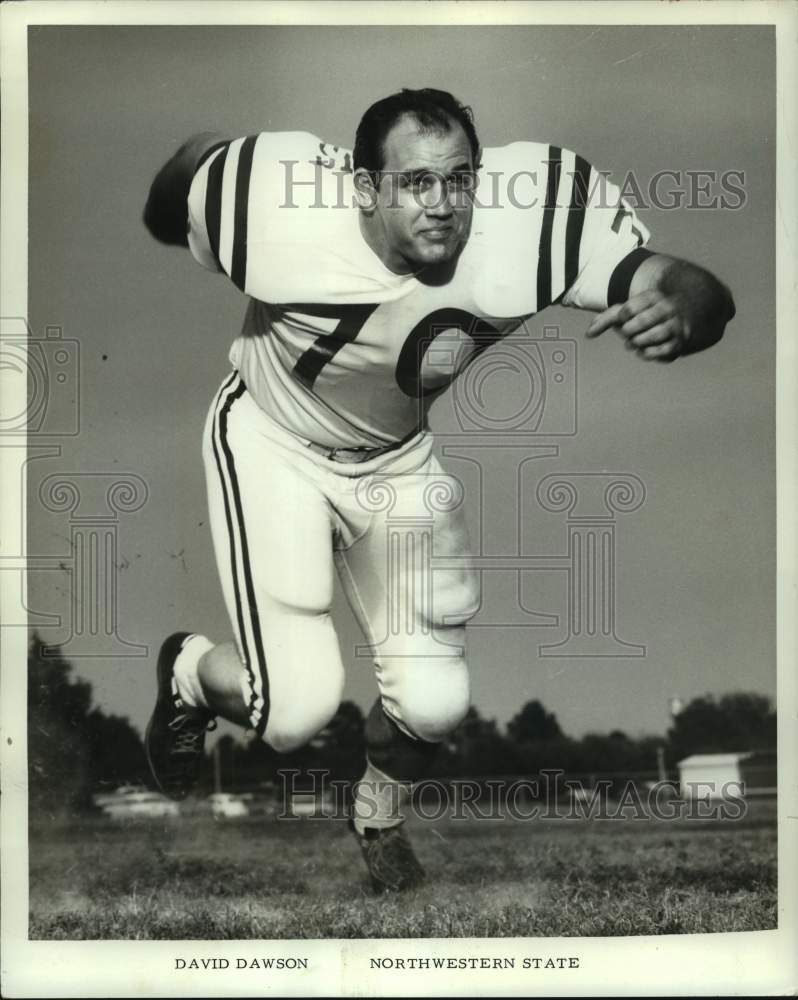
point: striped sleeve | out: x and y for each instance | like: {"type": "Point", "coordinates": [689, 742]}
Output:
{"type": "Point", "coordinates": [595, 240]}
{"type": "Point", "coordinates": [219, 209]}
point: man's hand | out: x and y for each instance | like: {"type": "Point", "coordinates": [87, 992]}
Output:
{"type": "Point", "coordinates": [651, 323]}
{"type": "Point", "coordinates": [674, 308]}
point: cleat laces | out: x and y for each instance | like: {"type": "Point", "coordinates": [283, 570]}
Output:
{"type": "Point", "coordinates": [190, 733]}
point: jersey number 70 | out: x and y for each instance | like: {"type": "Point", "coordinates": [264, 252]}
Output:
{"type": "Point", "coordinates": [352, 319]}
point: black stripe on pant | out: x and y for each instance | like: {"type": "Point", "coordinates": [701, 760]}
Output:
{"type": "Point", "coordinates": [246, 605]}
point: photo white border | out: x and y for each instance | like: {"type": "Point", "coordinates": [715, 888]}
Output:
{"type": "Point", "coordinates": [759, 963]}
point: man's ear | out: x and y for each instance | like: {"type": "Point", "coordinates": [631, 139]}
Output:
{"type": "Point", "coordinates": [365, 191]}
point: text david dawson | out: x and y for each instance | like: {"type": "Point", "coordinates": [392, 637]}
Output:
{"type": "Point", "coordinates": [214, 964]}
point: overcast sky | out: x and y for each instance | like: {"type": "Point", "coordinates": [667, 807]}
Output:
{"type": "Point", "coordinates": [695, 563]}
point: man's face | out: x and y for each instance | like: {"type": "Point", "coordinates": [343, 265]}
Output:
{"type": "Point", "coordinates": [423, 207]}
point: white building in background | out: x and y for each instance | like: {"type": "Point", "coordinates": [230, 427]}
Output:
{"type": "Point", "coordinates": [719, 775]}
{"type": "Point", "coordinates": [226, 805]}
{"type": "Point", "coordinates": [136, 802]}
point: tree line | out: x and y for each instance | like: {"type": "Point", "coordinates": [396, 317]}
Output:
{"type": "Point", "coordinates": [76, 750]}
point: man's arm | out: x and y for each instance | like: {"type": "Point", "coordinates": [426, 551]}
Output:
{"type": "Point", "coordinates": [673, 308]}
{"type": "Point", "coordinates": [166, 211]}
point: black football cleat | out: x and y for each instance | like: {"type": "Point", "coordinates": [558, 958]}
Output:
{"type": "Point", "coordinates": [175, 737]}
{"type": "Point", "coordinates": [390, 859]}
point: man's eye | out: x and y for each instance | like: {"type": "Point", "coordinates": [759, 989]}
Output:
{"type": "Point", "coordinates": [463, 181]}
{"type": "Point", "coordinates": [423, 183]}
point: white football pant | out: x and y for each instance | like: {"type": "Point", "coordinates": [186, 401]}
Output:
{"type": "Point", "coordinates": [282, 516]}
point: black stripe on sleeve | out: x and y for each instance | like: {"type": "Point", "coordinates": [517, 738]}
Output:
{"type": "Point", "coordinates": [213, 203]}
{"type": "Point", "coordinates": [621, 278]}
{"type": "Point", "coordinates": [210, 151]}
{"type": "Point", "coordinates": [238, 269]}
{"type": "Point", "coordinates": [576, 219]}
{"type": "Point", "coordinates": [544, 252]}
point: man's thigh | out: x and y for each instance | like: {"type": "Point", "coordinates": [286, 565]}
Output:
{"type": "Point", "coordinates": [272, 536]}
{"type": "Point", "coordinates": [410, 582]}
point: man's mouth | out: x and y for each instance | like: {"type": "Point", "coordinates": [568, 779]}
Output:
{"type": "Point", "coordinates": [437, 233]}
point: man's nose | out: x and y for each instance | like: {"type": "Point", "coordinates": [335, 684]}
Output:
{"type": "Point", "coordinates": [438, 200]}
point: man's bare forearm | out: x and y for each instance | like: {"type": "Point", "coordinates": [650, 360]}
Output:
{"type": "Point", "coordinates": [166, 211]}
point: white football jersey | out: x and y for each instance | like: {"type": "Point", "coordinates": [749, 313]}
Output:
{"type": "Point", "coordinates": [336, 347]}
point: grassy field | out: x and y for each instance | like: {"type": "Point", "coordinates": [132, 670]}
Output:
{"type": "Point", "coordinates": [264, 879]}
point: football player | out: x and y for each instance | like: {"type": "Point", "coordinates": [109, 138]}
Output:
{"type": "Point", "coordinates": [353, 263]}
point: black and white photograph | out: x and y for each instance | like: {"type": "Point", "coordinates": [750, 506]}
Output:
{"type": "Point", "coordinates": [398, 453]}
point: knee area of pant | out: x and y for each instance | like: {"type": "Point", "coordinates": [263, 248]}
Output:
{"type": "Point", "coordinates": [284, 740]}
{"type": "Point", "coordinates": [433, 718]}
{"type": "Point", "coordinates": [286, 734]}
{"type": "Point", "coordinates": [291, 728]}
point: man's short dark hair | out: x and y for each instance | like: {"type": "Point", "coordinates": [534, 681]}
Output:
{"type": "Point", "coordinates": [434, 110]}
